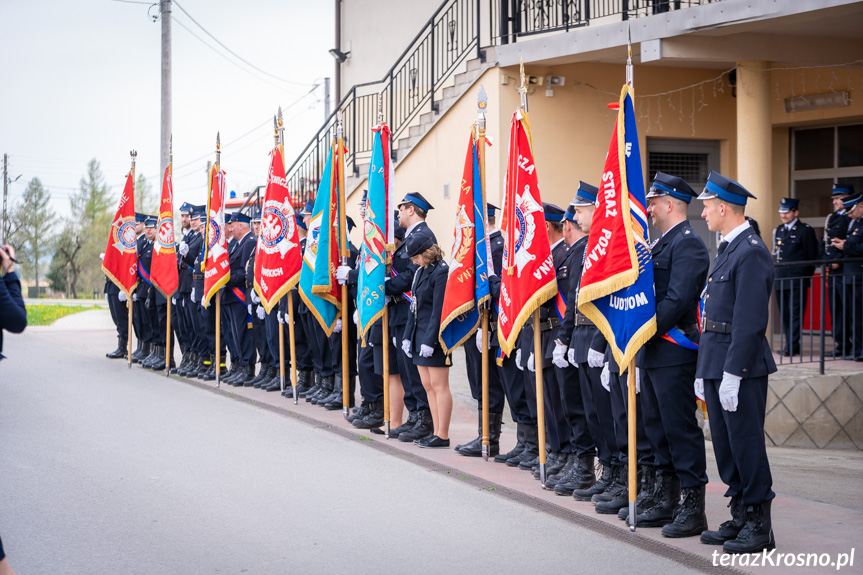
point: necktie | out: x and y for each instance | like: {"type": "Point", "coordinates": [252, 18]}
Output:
{"type": "Point", "coordinates": [722, 246]}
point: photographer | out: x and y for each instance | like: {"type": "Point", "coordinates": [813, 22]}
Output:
{"type": "Point", "coordinates": [13, 315]}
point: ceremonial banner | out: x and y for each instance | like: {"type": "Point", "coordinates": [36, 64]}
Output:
{"type": "Point", "coordinates": [377, 234]}
{"type": "Point", "coordinates": [278, 260]}
{"type": "Point", "coordinates": [318, 287]}
{"type": "Point", "coordinates": [163, 268]}
{"type": "Point", "coordinates": [529, 278]}
{"type": "Point", "coordinates": [616, 290]}
{"type": "Point", "coordinates": [467, 283]}
{"type": "Point", "coordinates": [121, 255]}
{"type": "Point", "coordinates": [215, 265]}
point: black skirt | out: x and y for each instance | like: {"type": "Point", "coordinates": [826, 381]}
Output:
{"type": "Point", "coordinates": [438, 358]}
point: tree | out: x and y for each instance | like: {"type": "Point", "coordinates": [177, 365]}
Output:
{"type": "Point", "coordinates": [146, 201]}
{"type": "Point", "coordinates": [85, 234]}
{"type": "Point", "coordinates": [57, 275]}
{"type": "Point", "coordinates": [36, 221]}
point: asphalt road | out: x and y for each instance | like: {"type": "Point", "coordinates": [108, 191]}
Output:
{"type": "Point", "coordinates": [109, 471]}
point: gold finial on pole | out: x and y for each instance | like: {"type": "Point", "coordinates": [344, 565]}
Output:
{"type": "Point", "coordinates": [275, 130]}
{"type": "Point", "coordinates": [218, 149]}
{"type": "Point", "coordinates": [522, 88]}
{"type": "Point", "coordinates": [133, 154]}
{"type": "Point", "coordinates": [481, 106]}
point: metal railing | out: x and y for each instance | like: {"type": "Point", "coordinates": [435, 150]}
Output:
{"type": "Point", "coordinates": [457, 29]}
{"type": "Point", "coordinates": [802, 307]}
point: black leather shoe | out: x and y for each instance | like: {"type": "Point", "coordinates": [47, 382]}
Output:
{"type": "Point", "coordinates": [515, 451]}
{"type": "Point", "coordinates": [423, 427]}
{"type": "Point", "coordinates": [373, 418]}
{"type": "Point", "coordinates": [433, 441]}
{"type": "Point", "coordinates": [646, 488]}
{"type": "Point", "coordinates": [121, 351]}
{"type": "Point", "coordinates": [690, 519]}
{"type": "Point", "coordinates": [406, 426]}
{"type": "Point", "coordinates": [358, 412]}
{"type": "Point", "coordinates": [658, 510]}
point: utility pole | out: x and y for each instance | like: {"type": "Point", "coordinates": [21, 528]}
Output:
{"type": "Point", "coordinates": [165, 12]}
{"type": "Point", "coordinates": [326, 99]}
{"type": "Point", "coordinates": [5, 222]}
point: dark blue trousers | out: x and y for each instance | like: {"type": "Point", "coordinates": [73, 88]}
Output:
{"type": "Point", "coordinates": [568, 382]}
{"type": "Point", "coordinates": [619, 405]}
{"type": "Point", "coordinates": [597, 411]}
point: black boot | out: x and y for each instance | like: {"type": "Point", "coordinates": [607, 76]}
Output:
{"type": "Point", "coordinates": [206, 367]}
{"type": "Point", "coordinates": [358, 412]}
{"type": "Point", "coordinates": [373, 419]}
{"type": "Point", "coordinates": [646, 488]}
{"type": "Point", "coordinates": [184, 364]}
{"type": "Point", "coordinates": [474, 448]}
{"type": "Point", "coordinates": [581, 476]}
{"type": "Point", "coordinates": [158, 356]}
{"type": "Point", "coordinates": [315, 389]}
{"type": "Point", "coordinates": [199, 368]}
{"type": "Point", "coordinates": [141, 352]}
{"type": "Point", "coordinates": [660, 508]}
{"type": "Point", "coordinates": [274, 384]}
{"type": "Point", "coordinates": [336, 401]}
{"type": "Point", "coordinates": [515, 451]}
{"type": "Point", "coordinates": [326, 387]}
{"type": "Point", "coordinates": [263, 375]}
{"type": "Point", "coordinates": [304, 382]}
{"type": "Point", "coordinates": [757, 532]}
{"type": "Point", "coordinates": [423, 427]}
{"type": "Point", "coordinates": [604, 481]}
{"type": "Point", "coordinates": [476, 443]}
{"type": "Point", "coordinates": [247, 374]}
{"type": "Point", "coordinates": [690, 519]}
{"type": "Point", "coordinates": [729, 529]}
{"type": "Point", "coordinates": [150, 356]}
{"type": "Point", "coordinates": [335, 394]}
{"type": "Point", "coordinates": [552, 479]}
{"type": "Point", "coordinates": [620, 497]}
{"type": "Point", "coordinates": [121, 350]}
{"type": "Point", "coordinates": [232, 374]}
{"type": "Point", "coordinates": [406, 426]}
{"type": "Point", "coordinates": [554, 465]}
{"type": "Point", "coordinates": [160, 365]}
{"type": "Point", "coordinates": [613, 488]}
{"type": "Point", "coordinates": [531, 447]}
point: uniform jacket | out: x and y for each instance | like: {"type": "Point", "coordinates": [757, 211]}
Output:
{"type": "Point", "coordinates": [13, 314]}
{"type": "Point", "coordinates": [583, 337]}
{"type": "Point", "coordinates": [398, 284]}
{"type": "Point", "coordinates": [546, 312]}
{"type": "Point", "coordinates": [680, 265]}
{"type": "Point", "coordinates": [145, 258]}
{"type": "Point", "coordinates": [738, 293]}
{"type": "Point", "coordinates": [835, 226]}
{"type": "Point", "coordinates": [854, 249]}
{"type": "Point", "coordinates": [195, 241]}
{"type": "Point", "coordinates": [795, 245]}
{"type": "Point", "coordinates": [429, 286]}
{"type": "Point", "coordinates": [239, 255]}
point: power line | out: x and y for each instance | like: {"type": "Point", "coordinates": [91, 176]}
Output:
{"type": "Point", "coordinates": [234, 54]}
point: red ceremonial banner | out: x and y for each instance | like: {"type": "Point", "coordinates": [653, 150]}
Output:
{"type": "Point", "coordinates": [163, 269]}
{"type": "Point", "coordinates": [216, 267]}
{"type": "Point", "coordinates": [278, 260]}
{"type": "Point", "coordinates": [529, 279]}
{"type": "Point", "coordinates": [121, 255]}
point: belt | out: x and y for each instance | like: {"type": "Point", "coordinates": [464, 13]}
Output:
{"type": "Point", "coordinates": [582, 320]}
{"type": "Point", "coordinates": [715, 326]}
{"type": "Point", "coordinates": [684, 327]}
{"type": "Point", "coordinates": [549, 323]}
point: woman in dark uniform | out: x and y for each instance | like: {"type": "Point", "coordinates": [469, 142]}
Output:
{"type": "Point", "coordinates": [422, 329]}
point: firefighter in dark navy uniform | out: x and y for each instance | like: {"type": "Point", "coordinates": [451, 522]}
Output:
{"type": "Point", "coordinates": [852, 247]}
{"type": "Point", "coordinates": [473, 363]}
{"type": "Point", "coordinates": [235, 300]}
{"type": "Point", "coordinates": [668, 360]}
{"type": "Point", "coordinates": [734, 361]}
{"type": "Point", "coordinates": [836, 226]}
{"type": "Point", "coordinates": [793, 241]}
{"type": "Point", "coordinates": [188, 251]}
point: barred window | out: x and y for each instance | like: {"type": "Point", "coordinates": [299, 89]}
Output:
{"type": "Point", "coordinates": [694, 168]}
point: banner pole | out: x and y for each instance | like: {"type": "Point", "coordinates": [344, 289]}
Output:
{"type": "Point", "coordinates": [133, 154]}
{"type": "Point", "coordinates": [293, 343]}
{"type": "Point", "coordinates": [386, 354]}
{"type": "Point", "coordinates": [540, 401]}
{"type": "Point", "coordinates": [282, 354]}
{"type": "Point", "coordinates": [482, 105]}
{"type": "Point", "coordinates": [344, 261]}
{"type": "Point", "coordinates": [168, 345]}
{"type": "Point", "coordinates": [633, 463]}
{"type": "Point", "coordinates": [218, 363]}
{"type": "Point", "coordinates": [486, 443]}
{"type": "Point", "coordinates": [280, 143]}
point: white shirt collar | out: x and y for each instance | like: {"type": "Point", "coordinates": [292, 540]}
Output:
{"type": "Point", "coordinates": [555, 243]}
{"type": "Point", "coordinates": [672, 227]}
{"type": "Point", "coordinates": [736, 232]}
{"type": "Point", "coordinates": [410, 229]}
{"type": "Point", "coordinates": [791, 225]}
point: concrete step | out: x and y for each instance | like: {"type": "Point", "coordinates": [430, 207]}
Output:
{"type": "Point", "coordinates": [474, 64]}
{"type": "Point", "coordinates": [449, 92]}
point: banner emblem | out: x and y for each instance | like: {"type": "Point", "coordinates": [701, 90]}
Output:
{"type": "Point", "coordinates": [275, 228]}
{"type": "Point", "coordinates": [125, 238]}
{"type": "Point", "coordinates": [165, 236]}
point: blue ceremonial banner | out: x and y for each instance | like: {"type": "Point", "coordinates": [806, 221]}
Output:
{"type": "Point", "coordinates": [467, 284]}
{"type": "Point", "coordinates": [317, 257]}
{"type": "Point", "coordinates": [616, 290]}
{"type": "Point", "coordinates": [372, 268]}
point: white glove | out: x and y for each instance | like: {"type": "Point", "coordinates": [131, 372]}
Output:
{"type": "Point", "coordinates": [280, 317]}
{"type": "Point", "coordinates": [338, 328]}
{"type": "Point", "coordinates": [102, 256]}
{"type": "Point", "coordinates": [699, 388]}
{"type": "Point", "coordinates": [192, 296]}
{"type": "Point", "coordinates": [531, 365]}
{"type": "Point", "coordinates": [387, 300]}
{"type": "Point", "coordinates": [342, 274]}
{"type": "Point", "coordinates": [122, 296]}
{"type": "Point", "coordinates": [728, 390]}
{"type": "Point", "coordinates": [426, 350]}
{"type": "Point", "coordinates": [605, 378]}
{"type": "Point", "coordinates": [395, 343]}
{"type": "Point", "coordinates": [518, 359]}
{"type": "Point", "coordinates": [262, 313]}
{"type": "Point", "coordinates": [249, 307]}
{"type": "Point", "coordinates": [184, 248]}
{"type": "Point", "coordinates": [134, 297]}
{"type": "Point", "coordinates": [106, 299]}
{"type": "Point", "coordinates": [406, 347]}
{"type": "Point", "coordinates": [478, 340]}
{"type": "Point", "coordinates": [570, 356]}
{"type": "Point", "coordinates": [173, 301]}
{"type": "Point", "coordinates": [255, 297]}
{"type": "Point", "coordinates": [356, 317]}
{"type": "Point", "coordinates": [594, 358]}
{"type": "Point", "coordinates": [559, 356]}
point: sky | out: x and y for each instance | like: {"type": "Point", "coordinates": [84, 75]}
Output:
{"type": "Point", "coordinates": [81, 80]}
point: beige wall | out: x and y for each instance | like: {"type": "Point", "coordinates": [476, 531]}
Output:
{"type": "Point", "coordinates": [376, 32]}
